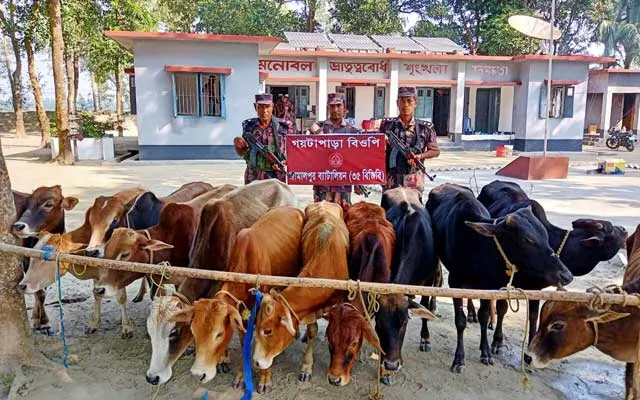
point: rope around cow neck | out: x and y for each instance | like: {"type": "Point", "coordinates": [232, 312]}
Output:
{"type": "Point", "coordinates": [563, 243]}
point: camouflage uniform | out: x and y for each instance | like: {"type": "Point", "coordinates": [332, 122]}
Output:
{"type": "Point", "coordinates": [285, 109]}
{"type": "Point", "coordinates": [273, 136]}
{"type": "Point", "coordinates": [416, 136]}
{"type": "Point", "coordinates": [335, 194]}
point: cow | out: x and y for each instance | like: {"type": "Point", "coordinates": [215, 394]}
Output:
{"type": "Point", "coordinates": [580, 250]}
{"type": "Point", "coordinates": [144, 210]}
{"type": "Point", "coordinates": [42, 210]}
{"type": "Point", "coordinates": [271, 246]}
{"type": "Point", "coordinates": [414, 263]}
{"type": "Point", "coordinates": [477, 249]}
{"type": "Point", "coordinates": [568, 328]}
{"type": "Point", "coordinates": [168, 241]}
{"type": "Point", "coordinates": [325, 251]}
{"type": "Point", "coordinates": [372, 240]}
{"type": "Point", "coordinates": [220, 222]}
{"type": "Point", "coordinates": [42, 273]}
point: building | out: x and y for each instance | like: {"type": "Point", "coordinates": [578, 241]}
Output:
{"type": "Point", "coordinates": [193, 90]}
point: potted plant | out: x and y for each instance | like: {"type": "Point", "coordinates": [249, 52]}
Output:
{"type": "Point", "coordinates": [92, 141]}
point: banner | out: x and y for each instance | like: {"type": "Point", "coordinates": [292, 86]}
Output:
{"type": "Point", "coordinates": [336, 159]}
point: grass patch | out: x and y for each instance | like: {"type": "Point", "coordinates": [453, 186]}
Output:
{"type": "Point", "coordinates": [6, 380]}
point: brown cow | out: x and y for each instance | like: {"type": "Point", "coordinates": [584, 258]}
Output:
{"type": "Point", "coordinates": [168, 241]}
{"type": "Point", "coordinates": [325, 248]}
{"type": "Point", "coordinates": [220, 222]}
{"type": "Point", "coordinates": [42, 210]}
{"type": "Point", "coordinates": [271, 246]}
{"type": "Point", "coordinates": [372, 241]}
{"type": "Point", "coordinates": [568, 328]}
{"type": "Point", "coordinates": [42, 273]}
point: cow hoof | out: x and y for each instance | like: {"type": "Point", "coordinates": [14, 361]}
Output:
{"type": "Point", "coordinates": [264, 389]}
{"type": "Point", "coordinates": [90, 330]}
{"type": "Point", "coordinates": [457, 368]}
{"type": "Point", "coordinates": [297, 335]}
{"type": "Point", "coordinates": [386, 380]}
{"type": "Point", "coordinates": [127, 334]}
{"type": "Point", "coordinates": [425, 346]}
{"type": "Point", "coordinates": [190, 351]}
{"type": "Point", "coordinates": [304, 377]}
{"type": "Point", "coordinates": [304, 338]}
{"type": "Point", "coordinates": [238, 383]}
{"type": "Point", "coordinates": [490, 326]}
{"type": "Point", "coordinates": [527, 359]}
{"type": "Point", "coordinates": [43, 330]}
{"type": "Point", "coordinates": [224, 367]}
{"type": "Point", "coordinates": [496, 348]}
{"type": "Point", "coordinates": [486, 360]}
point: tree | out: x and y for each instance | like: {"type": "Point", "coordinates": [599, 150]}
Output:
{"type": "Point", "coordinates": [17, 347]}
{"type": "Point", "coordinates": [175, 16]}
{"type": "Point", "coordinates": [498, 38]}
{"type": "Point", "coordinates": [65, 156]}
{"type": "Point", "coordinates": [438, 21]}
{"type": "Point", "coordinates": [365, 17]}
{"type": "Point", "coordinates": [246, 17]}
{"type": "Point", "coordinates": [619, 30]}
{"type": "Point", "coordinates": [10, 22]}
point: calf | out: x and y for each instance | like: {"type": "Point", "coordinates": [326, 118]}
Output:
{"type": "Point", "coordinates": [42, 210]}
{"type": "Point", "coordinates": [476, 249]}
{"type": "Point", "coordinates": [220, 222]}
{"type": "Point", "coordinates": [168, 241]}
{"type": "Point", "coordinates": [581, 249]}
{"type": "Point", "coordinates": [42, 273]}
{"type": "Point", "coordinates": [325, 248]}
{"type": "Point", "coordinates": [568, 328]}
{"type": "Point", "coordinates": [372, 239]}
{"type": "Point", "coordinates": [414, 263]}
{"type": "Point", "coordinates": [271, 246]}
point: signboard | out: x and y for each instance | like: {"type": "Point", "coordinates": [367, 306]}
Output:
{"type": "Point", "coordinates": [336, 159]}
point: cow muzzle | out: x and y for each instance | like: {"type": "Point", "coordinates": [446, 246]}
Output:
{"type": "Point", "coordinates": [392, 365]}
{"type": "Point", "coordinates": [21, 230]}
{"type": "Point", "coordinates": [153, 380]}
{"type": "Point", "coordinates": [96, 252]}
{"type": "Point", "coordinates": [337, 380]}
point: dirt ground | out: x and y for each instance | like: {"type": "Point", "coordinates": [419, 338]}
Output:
{"type": "Point", "coordinates": [109, 367]}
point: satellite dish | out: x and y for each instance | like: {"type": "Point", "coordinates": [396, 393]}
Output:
{"type": "Point", "coordinates": [533, 27]}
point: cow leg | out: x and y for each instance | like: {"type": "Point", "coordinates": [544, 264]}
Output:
{"type": "Point", "coordinates": [630, 392]}
{"type": "Point", "coordinates": [461, 325]}
{"type": "Point", "coordinates": [492, 315]}
{"type": "Point", "coordinates": [307, 365]}
{"type": "Point", "coordinates": [224, 365]}
{"type": "Point", "coordinates": [498, 336]}
{"type": "Point", "coordinates": [97, 306]}
{"type": "Point", "coordinates": [141, 291]}
{"type": "Point", "coordinates": [264, 381]}
{"type": "Point", "coordinates": [483, 316]}
{"type": "Point", "coordinates": [534, 312]}
{"type": "Point", "coordinates": [39, 314]}
{"type": "Point", "coordinates": [127, 328]}
{"type": "Point", "coordinates": [425, 337]}
{"type": "Point", "coordinates": [472, 316]}
{"type": "Point", "coordinates": [238, 381]}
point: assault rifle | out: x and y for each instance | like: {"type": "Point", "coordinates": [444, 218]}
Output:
{"type": "Point", "coordinates": [256, 147]}
{"type": "Point", "coordinates": [365, 192]}
{"type": "Point", "coordinates": [400, 147]}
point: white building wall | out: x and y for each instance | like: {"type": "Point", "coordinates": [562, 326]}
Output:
{"type": "Point", "coordinates": [506, 109]}
{"type": "Point", "coordinates": [364, 103]}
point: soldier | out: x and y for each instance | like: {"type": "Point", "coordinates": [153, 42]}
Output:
{"type": "Point", "coordinates": [418, 135]}
{"type": "Point", "coordinates": [285, 109]}
{"type": "Point", "coordinates": [269, 131]}
{"type": "Point", "coordinates": [335, 124]}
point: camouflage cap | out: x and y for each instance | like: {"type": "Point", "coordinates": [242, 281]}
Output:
{"type": "Point", "coordinates": [406, 91]}
{"type": "Point", "coordinates": [335, 98]}
{"type": "Point", "coordinates": [264, 98]}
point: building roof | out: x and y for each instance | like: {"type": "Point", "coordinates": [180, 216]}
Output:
{"type": "Point", "coordinates": [128, 38]}
{"type": "Point", "coordinates": [354, 42]}
{"type": "Point", "coordinates": [398, 43]}
{"type": "Point", "coordinates": [307, 40]}
{"type": "Point", "coordinates": [439, 45]}
{"type": "Point", "coordinates": [614, 71]}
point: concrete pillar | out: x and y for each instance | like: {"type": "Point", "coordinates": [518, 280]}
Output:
{"type": "Point", "coordinates": [605, 117]}
{"type": "Point", "coordinates": [393, 89]}
{"type": "Point", "coordinates": [636, 122]}
{"type": "Point", "coordinates": [456, 112]}
{"type": "Point", "coordinates": [322, 89]}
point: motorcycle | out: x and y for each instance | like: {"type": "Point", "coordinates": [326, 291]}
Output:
{"type": "Point", "coordinates": [618, 138]}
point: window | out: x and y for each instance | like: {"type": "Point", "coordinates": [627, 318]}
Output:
{"type": "Point", "coordinates": [300, 98]}
{"type": "Point", "coordinates": [561, 101]}
{"type": "Point", "coordinates": [198, 94]}
{"type": "Point", "coordinates": [378, 103]}
{"type": "Point", "coordinates": [424, 103]}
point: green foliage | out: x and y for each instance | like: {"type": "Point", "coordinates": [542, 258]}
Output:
{"type": "Point", "coordinates": [619, 30]}
{"type": "Point", "coordinates": [245, 17]}
{"type": "Point", "coordinates": [174, 15]}
{"type": "Point", "coordinates": [365, 17]}
{"type": "Point", "coordinates": [89, 125]}
{"type": "Point", "coordinates": [499, 38]}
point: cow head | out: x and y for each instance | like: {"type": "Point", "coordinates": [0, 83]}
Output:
{"type": "Point", "coordinates": [212, 324]}
{"type": "Point", "coordinates": [44, 211]}
{"type": "Point", "coordinates": [525, 242]}
{"type": "Point", "coordinates": [104, 214]}
{"type": "Point", "coordinates": [391, 325]}
{"type": "Point", "coordinates": [590, 242]}
{"type": "Point", "coordinates": [565, 329]}
{"type": "Point", "coordinates": [276, 328]}
{"type": "Point", "coordinates": [144, 211]}
{"type": "Point", "coordinates": [169, 339]}
{"type": "Point", "coordinates": [42, 273]}
{"type": "Point", "coordinates": [125, 245]}
{"type": "Point", "coordinates": [346, 330]}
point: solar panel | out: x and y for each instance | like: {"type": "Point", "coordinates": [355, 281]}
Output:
{"type": "Point", "coordinates": [398, 43]}
{"type": "Point", "coordinates": [354, 42]}
{"type": "Point", "coordinates": [307, 40]}
{"type": "Point", "coordinates": [439, 45]}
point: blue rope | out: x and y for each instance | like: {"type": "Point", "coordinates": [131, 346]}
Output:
{"type": "Point", "coordinates": [64, 340]}
{"type": "Point", "coordinates": [205, 395]}
{"type": "Point", "coordinates": [246, 348]}
{"type": "Point", "coordinates": [48, 252]}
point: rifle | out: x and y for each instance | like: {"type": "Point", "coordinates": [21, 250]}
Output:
{"type": "Point", "coordinates": [400, 147]}
{"type": "Point", "coordinates": [256, 147]}
{"type": "Point", "coordinates": [365, 192]}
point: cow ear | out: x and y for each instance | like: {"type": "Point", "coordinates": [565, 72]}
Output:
{"type": "Point", "coordinates": [608, 316]}
{"type": "Point", "coordinates": [236, 319]}
{"type": "Point", "coordinates": [593, 241]}
{"type": "Point", "coordinates": [69, 203]}
{"type": "Point", "coordinates": [184, 315]}
{"type": "Point", "coordinates": [420, 311]}
{"type": "Point", "coordinates": [287, 321]}
{"type": "Point", "coordinates": [370, 335]}
{"type": "Point", "coordinates": [483, 228]}
{"type": "Point", "coordinates": [156, 245]}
